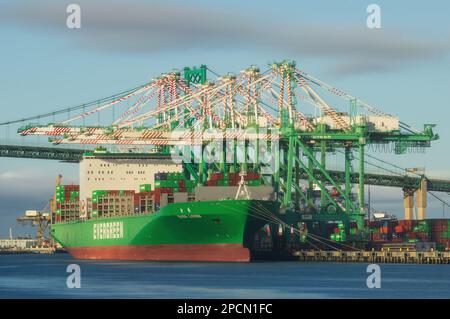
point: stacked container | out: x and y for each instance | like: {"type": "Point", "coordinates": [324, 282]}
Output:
{"type": "Point", "coordinates": [177, 182]}
{"type": "Point", "coordinates": [412, 231]}
{"type": "Point", "coordinates": [112, 203]}
{"type": "Point", "coordinates": [67, 203]}
{"type": "Point", "coordinates": [145, 188]}
{"type": "Point", "coordinates": [380, 231]}
{"type": "Point", "coordinates": [339, 233]}
{"type": "Point", "coordinates": [233, 179]}
{"type": "Point", "coordinates": [420, 232]}
{"type": "Point", "coordinates": [143, 202]}
{"type": "Point", "coordinates": [440, 233]}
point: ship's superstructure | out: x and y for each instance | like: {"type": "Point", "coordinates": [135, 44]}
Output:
{"type": "Point", "coordinates": [106, 171]}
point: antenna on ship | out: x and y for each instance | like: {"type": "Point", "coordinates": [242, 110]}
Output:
{"type": "Point", "coordinates": [242, 191]}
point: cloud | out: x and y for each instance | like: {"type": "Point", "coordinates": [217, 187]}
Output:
{"type": "Point", "coordinates": [159, 27]}
{"type": "Point", "coordinates": [9, 175]}
{"type": "Point", "coordinates": [362, 67]}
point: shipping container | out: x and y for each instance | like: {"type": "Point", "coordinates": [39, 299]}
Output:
{"type": "Point", "coordinates": [255, 182]}
{"type": "Point", "coordinates": [166, 184]}
{"type": "Point", "coordinates": [31, 213]}
{"type": "Point", "coordinates": [216, 176]}
{"type": "Point", "coordinates": [160, 176]}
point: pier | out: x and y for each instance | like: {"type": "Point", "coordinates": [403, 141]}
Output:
{"type": "Point", "coordinates": [398, 257]}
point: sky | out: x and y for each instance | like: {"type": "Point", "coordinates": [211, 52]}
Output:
{"type": "Point", "coordinates": [403, 67]}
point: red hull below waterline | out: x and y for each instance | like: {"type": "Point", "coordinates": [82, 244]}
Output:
{"type": "Point", "coordinates": [207, 252]}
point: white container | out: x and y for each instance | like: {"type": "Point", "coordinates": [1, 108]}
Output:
{"type": "Point", "coordinates": [31, 213]}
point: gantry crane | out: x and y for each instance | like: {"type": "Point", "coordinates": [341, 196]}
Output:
{"type": "Point", "coordinates": [191, 114]}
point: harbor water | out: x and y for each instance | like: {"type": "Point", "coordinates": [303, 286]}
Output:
{"type": "Point", "coordinates": [44, 276]}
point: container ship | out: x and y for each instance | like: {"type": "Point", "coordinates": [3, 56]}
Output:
{"type": "Point", "coordinates": [145, 207]}
{"type": "Point", "coordinates": [167, 217]}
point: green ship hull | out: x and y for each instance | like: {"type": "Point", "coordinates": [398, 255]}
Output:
{"type": "Point", "coordinates": [221, 230]}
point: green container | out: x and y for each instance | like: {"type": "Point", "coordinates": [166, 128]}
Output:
{"type": "Point", "coordinates": [58, 212]}
{"type": "Point", "coordinates": [166, 184]}
{"type": "Point", "coordinates": [99, 193]}
{"type": "Point", "coordinates": [175, 176]}
{"type": "Point", "coordinates": [189, 184]}
{"type": "Point", "coordinates": [223, 183]}
{"type": "Point", "coordinates": [189, 189]}
{"type": "Point", "coordinates": [74, 195]}
{"type": "Point", "coordinates": [255, 182]}
{"type": "Point", "coordinates": [145, 188]}
{"type": "Point", "coordinates": [444, 235]}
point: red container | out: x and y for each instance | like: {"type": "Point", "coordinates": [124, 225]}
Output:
{"type": "Point", "coordinates": [439, 225]}
{"type": "Point", "coordinates": [211, 183]}
{"type": "Point", "coordinates": [252, 176]}
{"type": "Point", "coordinates": [398, 229]}
{"type": "Point", "coordinates": [233, 176]}
{"type": "Point", "coordinates": [334, 192]}
{"type": "Point", "coordinates": [216, 176]}
{"type": "Point", "coordinates": [407, 224]}
{"type": "Point", "coordinates": [69, 188]}
{"type": "Point", "coordinates": [157, 197]}
{"type": "Point", "coordinates": [377, 237]}
{"type": "Point", "coordinates": [166, 190]}
{"type": "Point", "coordinates": [411, 235]}
{"type": "Point", "coordinates": [144, 194]}
{"type": "Point", "coordinates": [181, 184]}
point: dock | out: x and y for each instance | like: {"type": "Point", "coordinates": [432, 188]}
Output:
{"type": "Point", "coordinates": [398, 257]}
{"type": "Point", "coordinates": [15, 251]}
